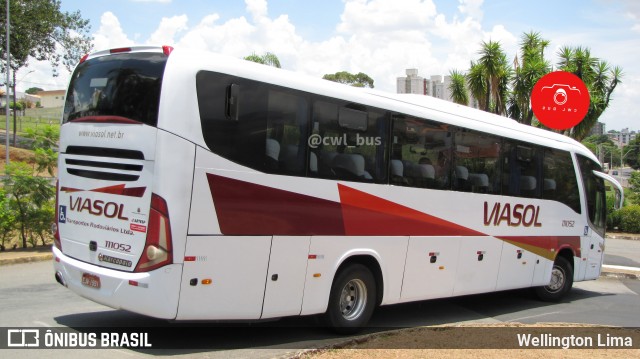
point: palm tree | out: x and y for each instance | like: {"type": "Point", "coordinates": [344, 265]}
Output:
{"type": "Point", "coordinates": [500, 88]}
{"type": "Point", "coordinates": [495, 66]}
{"type": "Point", "coordinates": [458, 88]}
{"type": "Point", "coordinates": [477, 81]}
{"type": "Point", "coordinates": [533, 67]}
{"type": "Point", "coordinates": [600, 79]}
{"type": "Point", "coordinates": [267, 58]}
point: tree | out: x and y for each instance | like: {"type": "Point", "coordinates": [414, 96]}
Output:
{"type": "Point", "coordinates": [478, 85]}
{"type": "Point", "coordinates": [526, 74]}
{"type": "Point", "coordinates": [602, 146]}
{"type": "Point", "coordinates": [33, 90]}
{"type": "Point", "coordinates": [27, 194]}
{"type": "Point", "coordinates": [494, 64]}
{"type": "Point", "coordinates": [40, 220]}
{"type": "Point", "coordinates": [266, 59]}
{"type": "Point", "coordinates": [458, 89]}
{"type": "Point", "coordinates": [45, 139]}
{"type": "Point", "coordinates": [39, 29]}
{"type": "Point", "coordinates": [633, 154]}
{"type": "Point", "coordinates": [7, 220]}
{"type": "Point", "coordinates": [598, 76]}
{"type": "Point", "coordinates": [599, 139]}
{"type": "Point", "coordinates": [356, 80]}
{"type": "Point", "coordinates": [502, 89]}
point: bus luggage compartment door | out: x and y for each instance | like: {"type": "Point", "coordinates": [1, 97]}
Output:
{"type": "Point", "coordinates": [224, 277]}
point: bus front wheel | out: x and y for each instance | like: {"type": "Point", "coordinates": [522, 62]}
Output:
{"type": "Point", "coordinates": [561, 281]}
{"type": "Point", "coordinates": [352, 299]}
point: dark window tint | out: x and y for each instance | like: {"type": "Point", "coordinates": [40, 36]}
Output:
{"type": "Point", "coordinates": [521, 170]}
{"type": "Point", "coordinates": [421, 155]}
{"type": "Point", "coordinates": [287, 119]}
{"type": "Point", "coordinates": [256, 125]}
{"type": "Point", "coordinates": [594, 192]}
{"type": "Point", "coordinates": [559, 179]}
{"type": "Point", "coordinates": [348, 142]}
{"type": "Point", "coordinates": [124, 85]}
{"type": "Point", "coordinates": [477, 162]}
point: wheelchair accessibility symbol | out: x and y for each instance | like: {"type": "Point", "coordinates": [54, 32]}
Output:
{"type": "Point", "coordinates": [62, 214]}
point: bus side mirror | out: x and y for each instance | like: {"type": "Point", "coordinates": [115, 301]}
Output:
{"type": "Point", "coordinates": [617, 189]}
{"type": "Point", "coordinates": [618, 199]}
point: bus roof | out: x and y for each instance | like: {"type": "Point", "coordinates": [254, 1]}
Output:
{"type": "Point", "coordinates": [415, 105]}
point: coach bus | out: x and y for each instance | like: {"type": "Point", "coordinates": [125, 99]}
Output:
{"type": "Point", "coordinates": [198, 187]}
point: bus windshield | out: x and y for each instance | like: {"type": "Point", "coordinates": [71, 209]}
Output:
{"type": "Point", "coordinates": [123, 85]}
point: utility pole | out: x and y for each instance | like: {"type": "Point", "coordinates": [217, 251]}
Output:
{"type": "Point", "coordinates": [6, 132]}
{"type": "Point", "coordinates": [15, 107]}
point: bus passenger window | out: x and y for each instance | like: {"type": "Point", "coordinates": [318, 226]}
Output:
{"type": "Point", "coordinates": [347, 142]}
{"type": "Point", "coordinates": [522, 170]}
{"type": "Point", "coordinates": [286, 142]}
{"type": "Point", "coordinates": [421, 153]}
{"type": "Point", "coordinates": [477, 159]}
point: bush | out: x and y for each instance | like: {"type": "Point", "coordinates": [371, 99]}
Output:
{"type": "Point", "coordinates": [629, 218]}
{"type": "Point", "coordinates": [613, 216]}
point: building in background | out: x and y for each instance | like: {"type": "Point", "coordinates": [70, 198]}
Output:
{"type": "Point", "coordinates": [435, 86]}
{"type": "Point", "coordinates": [49, 99]}
{"type": "Point", "coordinates": [622, 138]}
{"type": "Point", "coordinates": [598, 129]}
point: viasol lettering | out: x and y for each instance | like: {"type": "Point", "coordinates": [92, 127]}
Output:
{"type": "Point", "coordinates": [512, 215]}
{"type": "Point", "coordinates": [98, 207]}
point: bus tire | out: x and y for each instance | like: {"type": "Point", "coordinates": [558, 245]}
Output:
{"type": "Point", "coordinates": [561, 281]}
{"type": "Point", "coordinates": [352, 299]}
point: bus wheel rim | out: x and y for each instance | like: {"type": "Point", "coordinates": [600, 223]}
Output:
{"type": "Point", "coordinates": [557, 280]}
{"type": "Point", "coordinates": [353, 299]}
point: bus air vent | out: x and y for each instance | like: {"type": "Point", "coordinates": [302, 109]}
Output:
{"type": "Point", "coordinates": [109, 164]}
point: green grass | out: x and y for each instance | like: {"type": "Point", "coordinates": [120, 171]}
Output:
{"type": "Point", "coordinates": [33, 118]}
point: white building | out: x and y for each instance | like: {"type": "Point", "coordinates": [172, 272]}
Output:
{"type": "Point", "coordinates": [50, 99]}
{"type": "Point", "coordinates": [436, 86]}
{"type": "Point", "coordinates": [622, 138]}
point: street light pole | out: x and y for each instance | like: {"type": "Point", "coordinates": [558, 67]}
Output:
{"type": "Point", "coordinates": [6, 131]}
{"type": "Point", "coordinates": [623, 155]}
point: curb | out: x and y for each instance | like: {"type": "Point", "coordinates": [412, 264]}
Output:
{"type": "Point", "coordinates": [612, 271]}
{"type": "Point", "coordinates": [27, 259]}
{"type": "Point", "coordinates": [629, 238]}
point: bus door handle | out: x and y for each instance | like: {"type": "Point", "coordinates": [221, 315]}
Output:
{"type": "Point", "coordinates": [480, 255]}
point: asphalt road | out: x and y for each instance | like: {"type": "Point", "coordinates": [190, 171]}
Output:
{"type": "Point", "coordinates": [30, 297]}
{"type": "Point", "coordinates": [622, 252]}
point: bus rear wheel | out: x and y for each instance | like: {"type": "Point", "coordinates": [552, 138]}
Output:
{"type": "Point", "coordinates": [561, 281]}
{"type": "Point", "coordinates": [352, 299]}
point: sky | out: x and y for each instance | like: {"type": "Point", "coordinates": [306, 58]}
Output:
{"type": "Point", "coordinates": [381, 38]}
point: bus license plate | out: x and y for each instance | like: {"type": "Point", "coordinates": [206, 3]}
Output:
{"type": "Point", "coordinates": [91, 280]}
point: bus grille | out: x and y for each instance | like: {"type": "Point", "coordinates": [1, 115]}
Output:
{"type": "Point", "coordinates": [110, 164]}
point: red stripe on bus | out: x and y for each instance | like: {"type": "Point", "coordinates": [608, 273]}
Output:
{"type": "Point", "coordinates": [366, 214]}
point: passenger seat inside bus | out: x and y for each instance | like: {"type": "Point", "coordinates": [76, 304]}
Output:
{"type": "Point", "coordinates": [528, 185]}
{"type": "Point", "coordinates": [350, 167]}
{"type": "Point", "coordinates": [272, 154]}
{"type": "Point", "coordinates": [397, 173]}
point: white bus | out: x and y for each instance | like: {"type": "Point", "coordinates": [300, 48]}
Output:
{"type": "Point", "coordinates": [198, 187]}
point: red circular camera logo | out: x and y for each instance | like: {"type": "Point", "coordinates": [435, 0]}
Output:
{"type": "Point", "coordinates": [560, 100]}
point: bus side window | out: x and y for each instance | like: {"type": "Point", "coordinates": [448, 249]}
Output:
{"type": "Point", "coordinates": [286, 143]}
{"type": "Point", "coordinates": [522, 170]}
{"type": "Point", "coordinates": [347, 142]}
{"type": "Point", "coordinates": [476, 162]}
{"type": "Point", "coordinates": [421, 153]}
